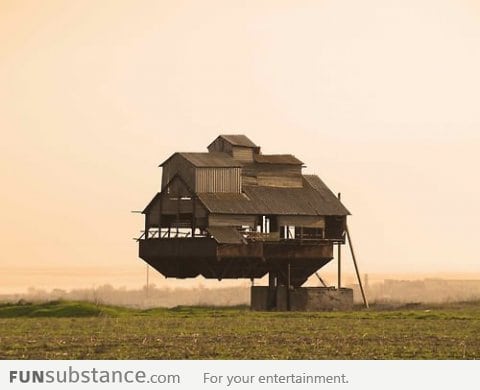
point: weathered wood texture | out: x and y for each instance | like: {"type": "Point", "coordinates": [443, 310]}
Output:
{"type": "Point", "coordinates": [178, 165]}
{"type": "Point", "coordinates": [298, 220]}
{"type": "Point", "coordinates": [335, 227]}
{"type": "Point", "coordinates": [220, 145]}
{"type": "Point", "coordinates": [231, 220]}
{"type": "Point", "coordinates": [190, 257]}
{"type": "Point", "coordinates": [240, 148]}
{"type": "Point", "coordinates": [273, 175]}
{"type": "Point", "coordinates": [176, 199]}
{"type": "Point", "coordinates": [242, 153]}
{"type": "Point", "coordinates": [206, 199]}
{"type": "Point", "coordinates": [200, 179]}
{"type": "Point", "coordinates": [218, 180]}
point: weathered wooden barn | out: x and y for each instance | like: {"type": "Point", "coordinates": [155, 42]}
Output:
{"type": "Point", "coordinates": [233, 212]}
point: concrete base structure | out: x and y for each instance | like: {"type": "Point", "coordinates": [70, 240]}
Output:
{"type": "Point", "coordinates": [264, 298]}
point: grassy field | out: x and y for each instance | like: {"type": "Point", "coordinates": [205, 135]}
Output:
{"type": "Point", "coordinates": [76, 330]}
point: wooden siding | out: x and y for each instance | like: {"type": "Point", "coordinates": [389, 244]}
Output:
{"type": "Point", "coordinates": [305, 221]}
{"type": "Point", "coordinates": [220, 145]}
{"type": "Point", "coordinates": [280, 181]}
{"type": "Point", "coordinates": [272, 169]}
{"type": "Point", "coordinates": [249, 180]}
{"type": "Point", "coordinates": [178, 165]}
{"type": "Point", "coordinates": [202, 179]}
{"type": "Point", "coordinates": [175, 199]}
{"type": "Point", "coordinates": [242, 153]}
{"type": "Point", "coordinates": [335, 227]}
{"type": "Point", "coordinates": [218, 180]}
{"type": "Point", "coordinates": [273, 175]}
{"type": "Point", "coordinates": [152, 216]}
{"type": "Point", "coordinates": [231, 220]}
{"type": "Point", "coordinates": [171, 207]}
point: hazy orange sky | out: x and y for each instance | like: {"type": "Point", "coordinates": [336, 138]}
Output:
{"type": "Point", "coordinates": [380, 98]}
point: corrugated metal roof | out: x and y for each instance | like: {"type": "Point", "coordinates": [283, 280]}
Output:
{"type": "Point", "coordinates": [228, 203]}
{"type": "Point", "coordinates": [277, 159]}
{"type": "Point", "coordinates": [226, 235]}
{"type": "Point", "coordinates": [313, 199]}
{"type": "Point", "coordinates": [208, 160]}
{"type": "Point", "coordinates": [329, 197]}
{"type": "Point", "coordinates": [238, 140]}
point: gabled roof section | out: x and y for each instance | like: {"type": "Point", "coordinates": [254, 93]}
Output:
{"type": "Point", "coordinates": [208, 160]}
{"type": "Point", "coordinates": [175, 178]}
{"type": "Point", "coordinates": [287, 159]}
{"type": "Point", "coordinates": [314, 198]}
{"type": "Point", "coordinates": [151, 203]}
{"type": "Point", "coordinates": [237, 140]}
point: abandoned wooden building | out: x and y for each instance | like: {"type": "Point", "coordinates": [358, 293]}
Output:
{"type": "Point", "coordinates": [233, 212]}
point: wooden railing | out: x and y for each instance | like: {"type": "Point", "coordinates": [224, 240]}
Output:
{"type": "Point", "coordinates": [164, 234]}
{"type": "Point", "coordinates": [248, 235]}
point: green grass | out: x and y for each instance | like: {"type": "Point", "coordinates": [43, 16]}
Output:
{"type": "Point", "coordinates": [79, 330]}
{"type": "Point", "coordinates": [61, 309]}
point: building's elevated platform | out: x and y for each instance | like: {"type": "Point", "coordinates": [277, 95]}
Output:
{"type": "Point", "coordinates": [191, 257]}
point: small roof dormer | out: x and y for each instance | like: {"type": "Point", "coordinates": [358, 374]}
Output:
{"type": "Point", "coordinates": [239, 146]}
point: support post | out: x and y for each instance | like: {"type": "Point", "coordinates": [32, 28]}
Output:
{"type": "Point", "coordinates": [339, 270]}
{"type": "Point", "coordinates": [272, 291]}
{"type": "Point", "coordinates": [288, 287]}
{"type": "Point", "coordinates": [356, 268]}
{"type": "Point", "coordinates": [320, 279]}
{"type": "Point", "coordinates": [339, 257]}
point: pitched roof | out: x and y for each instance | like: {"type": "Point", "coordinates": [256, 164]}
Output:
{"type": "Point", "coordinates": [238, 140]}
{"type": "Point", "coordinates": [151, 203]}
{"type": "Point", "coordinates": [226, 235]}
{"type": "Point", "coordinates": [314, 198]}
{"type": "Point", "coordinates": [227, 203]}
{"type": "Point", "coordinates": [208, 159]}
{"type": "Point", "coordinates": [288, 159]}
{"type": "Point", "coordinates": [329, 197]}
